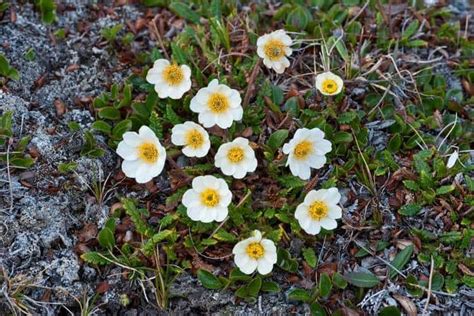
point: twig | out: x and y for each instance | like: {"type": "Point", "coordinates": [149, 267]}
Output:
{"type": "Point", "coordinates": [9, 175]}
{"type": "Point", "coordinates": [429, 287]}
{"type": "Point", "coordinates": [158, 36]}
{"type": "Point", "coordinates": [252, 78]}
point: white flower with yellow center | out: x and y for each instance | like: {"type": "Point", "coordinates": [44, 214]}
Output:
{"type": "Point", "coordinates": [255, 253]}
{"type": "Point", "coordinates": [208, 200]}
{"type": "Point", "coordinates": [170, 80]}
{"type": "Point", "coordinates": [193, 137]}
{"type": "Point", "coordinates": [328, 83]}
{"type": "Point", "coordinates": [306, 150]}
{"type": "Point", "coordinates": [274, 48]}
{"type": "Point", "coordinates": [319, 209]}
{"type": "Point", "coordinates": [217, 104]}
{"type": "Point", "coordinates": [143, 156]}
{"type": "Point", "coordinates": [236, 158]}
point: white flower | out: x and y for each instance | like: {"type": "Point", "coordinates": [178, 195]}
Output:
{"type": "Point", "coordinates": [143, 156]}
{"type": "Point", "coordinates": [208, 200]}
{"type": "Point", "coordinates": [319, 209]}
{"type": "Point", "coordinates": [274, 48]}
{"type": "Point", "coordinates": [170, 80]}
{"type": "Point", "coordinates": [236, 158]}
{"type": "Point", "coordinates": [193, 137]}
{"type": "Point", "coordinates": [328, 83]}
{"type": "Point", "coordinates": [452, 159]}
{"type": "Point", "coordinates": [217, 104]}
{"type": "Point", "coordinates": [306, 150]}
{"type": "Point", "coordinates": [255, 253]}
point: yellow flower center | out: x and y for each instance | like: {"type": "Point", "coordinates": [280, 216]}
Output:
{"type": "Point", "coordinates": [194, 138]}
{"type": "Point", "coordinates": [303, 149]}
{"type": "Point", "coordinates": [255, 250]}
{"type": "Point", "coordinates": [329, 86]}
{"type": "Point", "coordinates": [218, 103]}
{"type": "Point", "coordinates": [235, 154]}
{"type": "Point", "coordinates": [173, 75]}
{"type": "Point", "coordinates": [148, 152]}
{"type": "Point", "coordinates": [318, 210]}
{"type": "Point", "coordinates": [210, 197]}
{"type": "Point", "coordinates": [274, 49]}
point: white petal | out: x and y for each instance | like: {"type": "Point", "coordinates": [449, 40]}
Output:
{"type": "Point", "coordinates": [314, 228]}
{"type": "Point", "coordinates": [126, 152]}
{"type": "Point", "coordinates": [335, 212]}
{"type": "Point", "coordinates": [191, 198]}
{"type": "Point", "coordinates": [332, 196]}
{"type": "Point", "coordinates": [328, 223]}
{"type": "Point", "coordinates": [264, 266]}
{"type": "Point", "coordinates": [316, 162]}
{"type": "Point", "coordinates": [250, 267]}
{"type": "Point", "coordinates": [221, 213]}
{"type": "Point", "coordinates": [241, 259]}
{"type": "Point", "coordinates": [240, 247]}
{"type": "Point", "coordinates": [146, 133]}
{"type": "Point", "coordinates": [143, 174]}
{"type": "Point", "coordinates": [132, 139]}
{"type": "Point", "coordinates": [130, 167]}
{"type": "Point", "coordinates": [194, 213]}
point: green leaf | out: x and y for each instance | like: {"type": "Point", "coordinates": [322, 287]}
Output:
{"type": "Point", "coordinates": [410, 30]}
{"type": "Point", "coordinates": [48, 10]}
{"type": "Point", "coordinates": [223, 235]}
{"type": "Point", "coordinates": [155, 239]}
{"type": "Point", "coordinates": [299, 17]}
{"type": "Point", "coordinates": [410, 210]}
{"type": "Point", "coordinates": [325, 285]}
{"type": "Point", "coordinates": [216, 9]}
{"type": "Point", "coordinates": [390, 311]}
{"type": "Point", "coordinates": [67, 167]}
{"type": "Point", "coordinates": [342, 137]}
{"type": "Point", "coordinates": [362, 279]}
{"type": "Point", "coordinates": [270, 286]}
{"type": "Point", "coordinates": [276, 140]}
{"type": "Point", "coordinates": [253, 288]}
{"type": "Point", "coordinates": [237, 275]}
{"type": "Point", "coordinates": [155, 125]}
{"type": "Point", "coordinates": [445, 189]}
{"type": "Point", "coordinates": [171, 115]}
{"type": "Point", "coordinates": [94, 257]}
{"type": "Point", "coordinates": [121, 128]}
{"type": "Point", "coordinates": [209, 280]}
{"type": "Point", "coordinates": [339, 281]}
{"type": "Point", "coordinates": [102, 126]}
{"type": "Point", "coordinates": [106, 238]}
{"type": "Point", "coordinates": [310, 256]}
{"type": "Point", "coordinates": [394, 143]}
{"type": "Point", "coordinates": [22, 163]}
{"type": "Point", "coordinates": [299, 295]}
{"type": "Point", "coordinates": [109, 113]}
{"type": "Point", "coordinates": [412, 185]}
{"type": "Point", "coordinates": [317, 309]}
{"type": "Point", "coordinates": [400, 260]}
{"type": "Point", "coordinates": [185, 12]}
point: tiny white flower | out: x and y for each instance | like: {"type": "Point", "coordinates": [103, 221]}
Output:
{"type": "Point", "coordinates": [236, 158]}
{"type": "Point", "coordinates": [217, 104]}
{"type": "Point", "coordinates": [306, 150]}
{"type": "Point", "coordinates": [193, 137]}
{"type": "Point", "coordinates": [208, 200]}
{"type": "Point", "coordinates": [328, 83]}
{"type": "Point", "coordinates": [319, 209]}
{"type": "Point", "coordinates": [170, 80]}
{"type": "Point", "coordinates": [274, 48]}
{"type": "Point", "coordinates": [255, 253]}
{"type": "Point", "coordinates": [143, 155]}
{"type": "Point", "coordinates": [452, 159]}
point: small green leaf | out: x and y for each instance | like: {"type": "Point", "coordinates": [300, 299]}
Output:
{"type": "Point", "coordinates": [390, 311]}
{"type": "Point", "coordinates": [310, 256]}
{"type": "Point", "coordinates": [412, 185]}
{"type": "Point", "coordinates": [276, 140]}
{"type": "Point", "coordinates": [362, 279]}
{"type": "Point", "coordinates": [317, 309]}
{"type": "Point", "coordinates": [445, 189]}
{"type": "Point", "coordinates": [121, 128]}
{"type": "Point", "coordinates": [400, 260]}
{"type": "Point", "coordinates": [339, 281]}
{"type": "Point", "coordinates": [410, 210]}
{"type": "Point", "coordinates": [96, 258]}
{"type": "Point", "coordinates": [253, 288]}
{"type": "Point", "coordinates": [109, 113]}
{"type": "Point", "coordinates": [67, 167]}
{"type": "Point", "coordinates": [299, 295]}
{"type": "Point", "coordinates": [270, 286]}
{"type": "Point", "coordinates": [102, 126]}
{"type": "Point", "coordinates": [237, 275]}
{"type": "Point", "coordinates": [325, 285]}
{"type": "Point", "coordinates": [342, 137]}
{"type": "Point", "coordinates": [106, 238]}
{"type": "Point", "coordinates": [209, 280]}
{"type": "Point", "coordinates": [184, 11]}
{"type": "Point", "coordinates": [394, 143]}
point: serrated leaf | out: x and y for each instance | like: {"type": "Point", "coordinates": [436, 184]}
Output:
{"type": "Point", "coordinates": [410, 210]}
{"type": "Point", "coordinates": [299, 295]}
{"type": "Point", "coordinates": [362, 279]}
{"type": "Point", "coordinates": [339, 281]}
{"type": "Point", "coordinates": [276, 140]}
{"type": "Point", "coordinates": [445, 189]}
{"type": "Point", "coordinates": [253, 288]}
{"type": "Point", "coordinates": [411, 185]}
{"type": "Point", "coordinates": [109, 113]}
{"type": "Point", "coordinates": [181, 9]}
{"type": "Point", "coordinates": [209, 280]}
{"type": "Point", "coordinates": [102, 126]}
{"type": "Point", "coordinates": [93, 257]}
{"type": "Point", "coordinates": [400, 260]}
{"type": "Point", "coordinates": [270, 286]}
{"type": "Point", "coordinates": [155, 239]}
{"type": "Point", "coordinates": [342, 137]}
{"type": "Point", "coordinates": [310, 256]}
{"type": "Point", "coordinates": [121, 128]}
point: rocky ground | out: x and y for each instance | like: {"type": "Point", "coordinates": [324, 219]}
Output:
{"type": "Point", "coordinates": [43, 212]}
